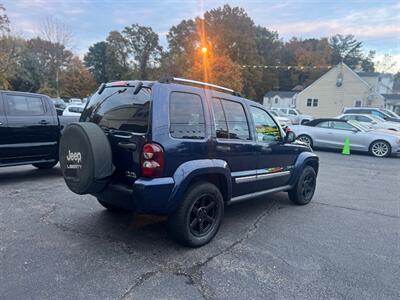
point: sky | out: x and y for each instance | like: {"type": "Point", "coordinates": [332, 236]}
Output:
{"type": "Point", "coordinates": [375, 23]}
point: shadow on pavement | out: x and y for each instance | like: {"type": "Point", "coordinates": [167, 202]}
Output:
{"type": "Point", "coordinates": [144, 232]}
{"type": "Point", "coordinates": [27, 173]}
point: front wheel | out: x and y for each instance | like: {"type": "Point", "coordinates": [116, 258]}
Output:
{"type": "Point", "coordinates": [304, 189]}
{"type": "Point", "coordinates": [199, 216]}
{"type": "Point", "coordinates": [45, 166]}
{"type": "Point", "coordinates": [305, 139]}
{"type": "Point", "coordinates": [380, 149]}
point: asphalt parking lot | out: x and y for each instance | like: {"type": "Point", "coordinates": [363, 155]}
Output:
{"type": "Point", "coordinates": [345, 244]}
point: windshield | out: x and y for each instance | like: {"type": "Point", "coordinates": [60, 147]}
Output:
{"type": "Point", "coordinates": [279, 113]}
{"type": "Point", "coordinates": [390, 113]}
{"type": "Point", "coordinates": [118, 108]}
{"type": "Point", "coordinates": [359, 125]}
{"type": "Point", "coordinates": [377, 118]}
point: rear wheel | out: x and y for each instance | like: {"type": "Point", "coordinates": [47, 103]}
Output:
{"type": "Point", "coordinates": [305, 139]}
{"type": "Point", "coordinates": [380, 149]}
{"type": "Point", "coordinates": [44, 166]}
{"type": "Point", "coordinates": [199, 216]}
{"type": "Point", "coordinates": [304, 189]}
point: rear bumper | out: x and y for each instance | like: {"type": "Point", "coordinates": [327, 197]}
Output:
{"type": "Point", "coordinates": [145, 195]}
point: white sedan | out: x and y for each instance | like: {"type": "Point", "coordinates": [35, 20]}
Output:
{"type": "Point", "coordinates": [73, 110]}
{"type": "Point", "coordinates": [373, 122]}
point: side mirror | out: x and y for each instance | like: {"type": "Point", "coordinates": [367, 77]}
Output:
{"type": "Point", "coordinates": [290, 137]}
{"type": "Point", "coordinates": [355, 130]}
{"type": "Point", "coordinates": [374, 122]}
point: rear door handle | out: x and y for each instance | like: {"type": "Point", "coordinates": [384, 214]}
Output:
{"type": "Point", "coordinates": [127, 146]}
{"type": "Point", "coordinates": [223, 148]}
{"type": "Point", "coordinates": [266, 150]}
{"type": "Point", "coordinates": [43, 122]}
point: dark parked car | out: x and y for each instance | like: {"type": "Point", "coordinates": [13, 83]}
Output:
{"type": "Point", "coordinates": [184, 149]}
{"type": "Point", "coordinates": [29, 130]}
{"type": "Point", "coordinates": [60, 105]}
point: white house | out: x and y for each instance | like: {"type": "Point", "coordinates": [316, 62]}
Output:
{"type": "Point", "coordinates": [280, 99]}
{"type": "Point", "coordinates": [382, 83]}
{"type": "Point", "coordinates": [338, 88]}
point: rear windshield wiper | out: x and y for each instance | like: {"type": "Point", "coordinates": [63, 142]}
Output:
{"type": "Point", "coordinates": [96, 108]}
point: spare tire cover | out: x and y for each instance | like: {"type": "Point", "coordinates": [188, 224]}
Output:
{"type": "Point", "coordinates": [85, 158]}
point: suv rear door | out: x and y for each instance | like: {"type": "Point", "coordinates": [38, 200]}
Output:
{"type": "Point", "coordinates": [124, 118]}
{"type": "Point", "coordinates": [234, 143]}
{"type": "Point", "coordinates": [32, 129]}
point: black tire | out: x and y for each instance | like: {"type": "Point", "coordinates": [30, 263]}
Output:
{"type": "Point", "coordinates": [45, 166]}
{"type": "Point", "coordinates": [198, 217]}
{"type": "Point", "coordinates": [111, 207]}
{"type": "Point", "coordinates": [385, 151]}
{"type": "Point", "coordinates": [303, 138]}
{"type": "Point", "coordinates": [304, 189]}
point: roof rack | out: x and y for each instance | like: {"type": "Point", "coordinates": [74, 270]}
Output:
{"type": "Point", "coordinates": [204, 84]}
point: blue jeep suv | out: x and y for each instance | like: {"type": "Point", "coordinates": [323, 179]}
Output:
{"type": "Point", "coordinates": [183, 149]}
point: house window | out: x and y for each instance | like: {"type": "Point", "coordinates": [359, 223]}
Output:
{"type": "Point", "coordinates": [358, 103]}
{"type": "Point", "coordinates": [276, 100]}
{"type": "Point", "coordinates": [312, 102]}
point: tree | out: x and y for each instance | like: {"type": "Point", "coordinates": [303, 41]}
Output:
{"type": "Point", "coordinates": [226, 31]}
{"type": "Point", "coordinates": [4, 21]}
{"type": "Point", "coordinates": [117, 56]}
{"type": "Point", "coordinates": [143, 44]}
{"type": "Point", "coordinates": [220, 70]}
{"type": "Point", "coordinates": [10, 51]}
{"type": "Point", "coordinates": [52, 57]}
{"type": "Point", "coordinates": [346, 49]}
{"type": "Point", "coordinates": [76, 80]}
{"type": "Point", "coordinates": [367, 64]}
{"type": "Point", "coordinates": [232, 32]}
{"type": "Point", "coordinates": [59, 37]}
{"type": "Point", "coordinates": [96, 61]}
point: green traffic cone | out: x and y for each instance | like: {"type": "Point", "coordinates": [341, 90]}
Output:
{"type": "Point", "coordinates": [346, 147]}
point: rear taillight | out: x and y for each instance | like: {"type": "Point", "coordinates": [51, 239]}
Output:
{"type": "Point", "coordinates": [152, 161]}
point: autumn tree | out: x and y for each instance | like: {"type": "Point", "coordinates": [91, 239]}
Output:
{"type": "Point", "coordinates": [76, 80]}
{"type": "Point", "coordinates": [220, 70]}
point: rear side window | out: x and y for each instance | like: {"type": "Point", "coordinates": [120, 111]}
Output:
{"type": "Point", "coordinates": [24, 105]}
{"type": "Point", "coordinates": [230, 120]}
{"type": "Point", "coordinates": [118, 108]}
{"type": "Point", "coordinates": [186, 116]}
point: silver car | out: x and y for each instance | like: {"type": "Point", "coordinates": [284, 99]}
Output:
{"type": "Point", "coordinates": [371, 121]}
{"type": "Point", "coordinates": [293, 114]}
{"type": "Point", "coordinates": [332, 133]}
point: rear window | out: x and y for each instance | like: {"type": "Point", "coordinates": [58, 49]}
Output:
{"type": "Point", "coordinates": [24, 106]}
{"type": "Point", "coordinates": [230, 120]}
{"type": "Point", "coordinates": [186, 116]}
{"type": "Point", "coordinates": [118, 108]}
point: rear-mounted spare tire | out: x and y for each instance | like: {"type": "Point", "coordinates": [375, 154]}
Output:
{"type": "Point", "coordinates": [85, 158]}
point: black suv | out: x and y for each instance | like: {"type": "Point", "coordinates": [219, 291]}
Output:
{"type": "Point", "coordinates": [184, 149]}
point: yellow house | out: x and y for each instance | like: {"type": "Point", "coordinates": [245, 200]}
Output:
{"type": "Point", "coordinates": [338, 88]}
